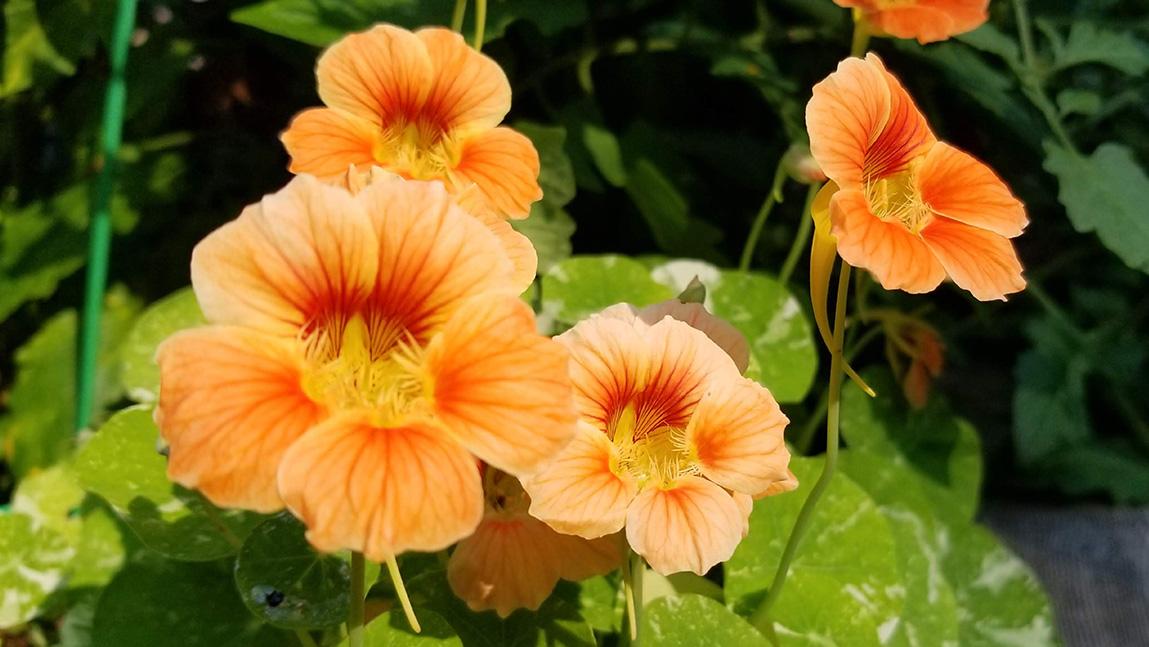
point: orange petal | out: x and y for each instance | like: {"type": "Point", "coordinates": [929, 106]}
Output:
{"type": "Point", "coordinates": [300, 252]}
{"type": "Point", "coordinates": [579, 492]}
{"type": "Point", "coordinates": [325, 142]}
{"type": "Point", "coordinates": [897, 258]}
{"type": "Point", "coordinates": [931, 20]}
{"type": "Point", "coordinates": [503, 165]}
{"type": "Point", "coordinates": [382, 75]}
{"type": "Point", "coordinates": [501, 389]}
{"type": "Point", "coordinates": [689, 527]}
{"type": "Point", "coordinates": [381, 491]}
{"type": "Point", "coordinates": [959, 187]}
{"type": "Point", "coordinates": [511, 562]}
{"type": "Point", "coordinates": [470, 91]}
{"type": "Point", "coordinates": [717, 329]}
{"type": "Point", "coordinates": [230, 405]}
{"type": "Point", "coordinates": [608, 362]}
{"type": "Point", "coordinates": [580, 558]}
{"type": "Point", "coordinates": [684, 363]}
{"type": "Point", "coordinates": [785, 485]}
{"type": "Point", "coordinates": [977, 260]}
{"type": "Point", "coordinates": [736, 437]}
{"type": "Point", "coordinates": [518, 248]}
{"type": "Point", "coordinates": [846, 114]}
{"type": "Point", "coordinates": [433, 256]}
{"type": "Point", "coordinates": [904, 137]}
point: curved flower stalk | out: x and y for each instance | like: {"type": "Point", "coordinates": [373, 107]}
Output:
{"type": "Point", "coordinates": [513, 560]}
{"type": "Point", "coordinates": [364, 352]}
{"type": "Point", "coordinates": [422, 105]}
{"type": "Point", "coordinates": [926, 20]}
{"type": "Point", "coordinates": [673, 442]}
{"type": "Point", "coordinates": [910, 209]}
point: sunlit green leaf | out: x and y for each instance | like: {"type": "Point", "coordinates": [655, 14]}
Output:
{"type": "Point", "coordinates": [391, 630]}
{"type": "Point", "coordinates": [138, 371]}
{"type": "Point", "coordinates": [690, 620]}
{"type": "Point", "coordinates": [848, 557]}
{"type": "Point", "coordinates": [34, 563]}
{"type": "Point", "coordinates": [583, 285]}
{"type": "Point", "coordinates": [286, 583]}
{"type": "Point", "coordinates": [121, 464]}
{"type": "Point", "coordinates": [1105, 192]}
{"type": "Point", "coordinates": [601, 602]}
{"type": "Point", "coordinates": [28, 54]}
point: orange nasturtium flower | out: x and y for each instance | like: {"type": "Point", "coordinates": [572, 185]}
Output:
{"type": "Point", "coordinates": [910, 209]}
{"type": "Point", "coordinates": [926, 20]}
{"type": "Point", "coordinates": [673, 443]}
{"type": "Point", "coordinates": [513, 560]}
{"type": "Point", "coordinates": [923, 346]}
{"type": "Point", "coordinates": [364, 351]}
{"type": "Point", "coordinates": [422, 105]}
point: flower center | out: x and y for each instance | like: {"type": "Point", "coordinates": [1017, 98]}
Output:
{"type": "Point", "coordinates": [369, 366]}
{"type": "Point", "coordinates": [895, 198]}
{"type": "Point", "coordinates": [649, 448]}
{"type": "Point", "coordinates": [417, 150]}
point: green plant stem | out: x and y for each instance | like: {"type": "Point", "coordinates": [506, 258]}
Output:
{"type": "Point", "coordinates": [457, 17]}
{"type": "Point", "coordinates": [802, 240]}
{"type": "Point", "coordinates": [401, 591]}
{"type": "Point", "coordinates": [630, 592]}
{"type": "Point", "coordinates": [1025, 33]}
{"type": "Point", "coordinates": [358, 598]}
{"type": "Point", "coordinates": [773, 198]}
{"type": "Point", "coordinates": [480, 23]}
{"type": "Point", "coordinates": [761, 617]}
{"type": "Point", "coordinates": [100, 226]}
{"type": "Point", "coordinates": [305, 639]}
{"type": "Point", "coordinates": [861, 38]}
{"type": "Point", "coordinates": [1031, 77]}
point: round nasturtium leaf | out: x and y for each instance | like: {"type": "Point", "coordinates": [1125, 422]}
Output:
{"type": "Point", "coordinates": [285, 582]}
{"type": "Point", "coordinates": [33, 562]}
{"type": "Point", "coordinates": [847, 556]}
{"type": "Point", "coordinates": [121, 464]}
{"type": "Point", "coordinates": [391, 630]}
{"type": "Point", "coordinates": [138, 371]}
{"type": "Point", "coordinates": [692, 620]}
{"type": "Point", "coordinates": [783, 356]}
{"type": "Point", "coordinates": [583, 285]}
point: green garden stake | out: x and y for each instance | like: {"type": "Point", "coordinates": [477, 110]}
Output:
{"type": "Point", "coordinates": [100, 233]}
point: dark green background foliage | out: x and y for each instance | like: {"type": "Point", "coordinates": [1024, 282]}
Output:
{"type": "Point", "coordinates": [659, 124]}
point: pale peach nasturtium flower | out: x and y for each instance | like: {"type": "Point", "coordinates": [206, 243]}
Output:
{"type": "Point", "coordinates": [910, 209]}
{"type": "Point", "coordinates": [422, 105]}
{"type": "Point", "coordinates": [673, 443]}
{"type": "Point", "coordinates": [926, 20]}
{"type": "Point", "coordinates": [513, 560]}
{"type": "Point", "coordinates": [364, 353]}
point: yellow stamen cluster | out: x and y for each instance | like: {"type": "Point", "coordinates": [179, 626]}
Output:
{"type": "Point", "coordinates": [652, 451]}
{"type": "Point", "coordinates": [895, 198]}
{"type": "Point", "coordinates": [417, 150]}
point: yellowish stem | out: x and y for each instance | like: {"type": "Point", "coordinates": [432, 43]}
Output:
{"type": "Point", "coordinates": [480, 23]}
{"type": "Point", "coordinates": [404, 600]}
{"type": "Point", "coordinates": [457, 17]}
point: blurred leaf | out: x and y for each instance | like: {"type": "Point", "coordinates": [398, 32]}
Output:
{"type": "Point", "coordinates": [556, 177]}
{"type": "Point", "coordinates": [75, 27]}
{"type": "Point", "coordinates": [39, 426]}
{"type": "Point", "coordinates": [121, 464]}
{"type": "Point", "coordinates": [601, 602]}
{"type": "Point", "coordinates": [283, 581]}
{"type": "Point", "coordinates": [1112, 467]}
{"type": "Point", "coordinates": [322, 22]}
{"type": "Point", "coordinates": [759, 69]}
{"type": "Point", "coordinates": [667, 213]}
{"type": "Point", "coordinates": [604, 150]}
{"type": "Point", "coordinates": [138, 371]}
{"type": "Point", "coordinates": [583, 285]}
{"type": "Point", "coordinates": [34, 563]}
{"type": "Point", "coordinates": [1105, 192]}
{"type": "Point", "coordinates": [159, 602]}
{"type": "Point", "coordinates": [842, 595]}
{"type": "Point", "coordinates": [549, 229]}
{"type": "Point", "coordinates": [933, 440]}
{"type": "Point", "coordinates": [1072, 101]}
{"type": "Point", "coordinates": [29, 56]}
{"type": "Point", "coordinates": [1088, 43]}
{"type": "Point", "coordinates": [690, 620]}
{"type": "Point", "coordinates": [557, 622]}
{"type": "Point", "coordinates": [783, 356]}
{"type": "Point", "coordinates": [391, 630]}
{"type": "Point", "coordinates": [1049, 407]}
{"type": "Point", "coordinates": [988, 38]}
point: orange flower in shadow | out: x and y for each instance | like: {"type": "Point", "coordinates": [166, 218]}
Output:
{"type": "Point", "coordinates": [673, 443]}
{"type": "Point", "coordinates": [923, 346]}
{"type": "Point", "coordinates": [513, 561]}
{"type": "Point", "coordinates": [364, 351]}
{"type": "Point", "coordinates": [422, 105]}
{"type": "Point", "coordinates": [926, 20]}
{"type": "Point", "coordinates": [908, 208]}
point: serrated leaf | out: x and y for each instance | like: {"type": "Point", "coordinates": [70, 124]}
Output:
{"type": "Point", "coordinates": [139, 373]}
{"type": "Point", "coordinates": [863, 582]}
{"type": "Point", "coordinates": [35, 562]}
{"type": "Point", "coordinates": [159, 602]}
{"type": "Point", "coordinates": [285, 582]}
{"type": "Point", "coordinates": [556, 177]}
{"type": "Point", "coordinates": [583, 285]}
{"type": "Point", "coordinates": [1088, 43]}
{"type": "Point", "coordinates": [690, 620]}
{"type": "Point", "coordinates": [391, 630]}
{"type": "Point", "coordinates": [121, 464]}
{"type": "Point", "coordinates": [1106, 193]}
{"type": "Point", "coordinates": [1072, 101]}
